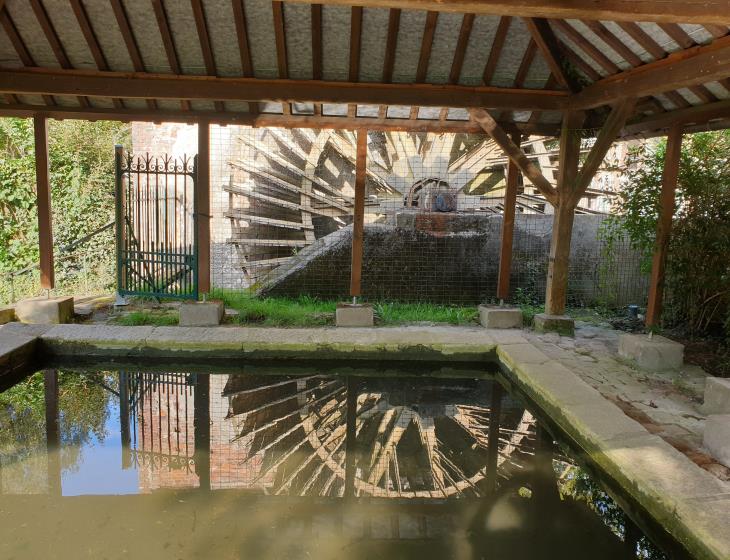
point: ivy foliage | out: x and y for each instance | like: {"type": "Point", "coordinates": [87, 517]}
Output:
{"type": "Point", "coordinates": [697, 288]}
{"type": "Point", "coordinates": [81, 156]}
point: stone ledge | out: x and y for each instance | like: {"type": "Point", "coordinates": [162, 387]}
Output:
{"type": "Point", "coordinates": [716, 437]}
{"type": "Point", "coordinates": [656, 353]}
{"type": "Point", "coordinates": [354, 315]}
{"type": "Point", "coordinates": [561, 324]}
{"type": "Point", "coordinates": [717, 396]}
{"type": "Point", "coordinates": [43, 310]}
{"type": "Point", "coordinates": [498, 317]}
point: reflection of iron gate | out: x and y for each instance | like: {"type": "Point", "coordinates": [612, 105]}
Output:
{"type": "Point", "coordinates": [157, 253]}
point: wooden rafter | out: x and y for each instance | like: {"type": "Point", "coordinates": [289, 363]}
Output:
{"type": "Point", "coordinates": [20, 49]}
{"type": "Point", "coordinates": [678, 70]}
{"type": "Point", "coordinates": [606, 63]}
{"type": "Point", "coordinates": [460, 51]}
{"type": "Point", "coordinates": [691, 115]}
{"type": "Point", "coordinates": [612, 41]}
{"type": "Point", "coordinates": [205, 45]}
{"type": "Point", "coordinates": [549, 46]}
{"type": "Point", "coordinates": [497, 44]}
{"type": "Point", "coordinates": [282, 62]}
{"type": "Point", "coordinates": [389, 60]}
{"type": "Point", "coordinates": [167, 42]}
{"type": "Point", "coordinates": [165, 86]}
{"type": "Point", "coordinates": [689, 11]}
{"type": "Point", "coordinates": [125, 29]}
{"type": "Point", "coordinates": [355, 44]}
{"type": "Point", "coordinates": [425, 54]}
{"type": "Point", "coordinates": [92, 42]}
{"type": "Point", "coordinates": [244, 48]}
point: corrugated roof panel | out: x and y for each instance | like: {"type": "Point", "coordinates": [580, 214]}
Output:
{"type": "Point", "coordinates": [260, 27]}
{"type": "Point", "coordinates": [597, 42]}
{"type": "Point", "coordinates": [298, 30]}
{"type": "Point", "coordinates": [8, 56]}
{"type": "Point", "coordinates": [222, 32]}
{"type": "Point", "coordinates": [367, 110]}
{"type": "Point", "coordinates": [697, 32]}
{"type": "Point", "coordinates": [538, 73]}
{"type": "Point", "coordinates": [444, 44]}
{"type": "Point", "coordinates": [32, 34]}
{"type": "Point", "coordinates": [718, 90]}
{"type": "Point", "coordinates": [110, 38]}
{"type": "Point", "coordinates": [477, 50]}
{"type": "Point", "coordinates": [101, 102]}
{"type": "Point", "coordinates": [518, 36]}
{"type": "Point", "coordinates": [335, 42]}
{"type": "Point", "coordinates": [270, 107]}
{"type": "Point", "coordinates": [429, 113]}
{"type": "Point", "coordinates": [455, 114]}
{"type": "Point", "coordinates": [399, 112]}
{"type": "Point", "coordinates": [147, 35]}
{"type": "Point", "coordinates": [626, 39]}
{"type": "Point", "coordinates": [408, 50]}
{"type": "Point", "coordinates": [334, 110]}
{"type": "Point", "coordinates": [374, 39]}
{"type": "Point", "coordinates": [302, 108]}
{"type": "Point", "coordinates": [69, 33]}
{"type": "Point", "coordinates": [202, 105]}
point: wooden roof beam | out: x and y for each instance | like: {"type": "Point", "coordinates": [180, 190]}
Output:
{"type": "Point", "coordinates": [688, 11]}
{"type": "Point", "coordinates": [682, 69]}
{"type": "Point", "coordinates": [497, 45]}
{"type": "Point", "coordinates": [20, 49]}
{"type": "Point", "coordinates": [425, 55]}
{"type": "Point", "coordinates": [145, 85]}
{"type": "Point", "coordinates": [515, 154]}
{"type": "Point", "coordinates": [266, 120]}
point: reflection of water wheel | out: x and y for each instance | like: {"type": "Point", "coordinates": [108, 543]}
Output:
{"type": "Point", "coordinates": [412, 439]}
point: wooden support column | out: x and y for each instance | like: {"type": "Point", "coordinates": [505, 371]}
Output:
{"type": "Point", "coordinates": [508, 225]}
{"type": "Point", "coordinates": [664, 225]}
{"type": "Point", "coordinates": [43, 198]}
{"type": "Point", "coordinates": [358, 218]}
{"type": "Point", "coordinates": [202, 194]}
{"type": "Point", "coordinates": [557, 279]}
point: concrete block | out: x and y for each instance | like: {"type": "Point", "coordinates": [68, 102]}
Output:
{"type": "Point", "coordinates": [717, 396]}
{"type": "Point", "coordinates": [561, 324]}
{"type": "Point", "coordinates": [717, 437]}
{"type": "Point", "coordinates": [497, 317]}
{"type": "Point", "coordinates": [201, 313]}
{"type": "Point", "coordinates": [354, 315]}
{"type": "Point", "coordinates": [7, 314]}
{"type": "Point", "coordinates": [44, 309]}
{"type": "Point", "coordinates": [656, 353]}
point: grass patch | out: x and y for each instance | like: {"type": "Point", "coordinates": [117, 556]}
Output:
{"type": "Point", "coordinates": [306, 311]}
{"type": "Point", "coordinates": [402, 313]}
{"type": "Point", "coordinates": [303, 311]}
{"type": "Point", "coordinates": [156, 318]}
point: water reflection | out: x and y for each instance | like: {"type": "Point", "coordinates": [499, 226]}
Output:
{"type": "Point", "coordinates": [258, 465]}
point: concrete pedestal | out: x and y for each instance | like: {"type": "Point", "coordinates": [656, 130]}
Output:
{"type": "Point", "coordinates": [717, 396]}
{"type": "Point", "coordinates": [43, 309]}
{"type": "Point", "coordinates": [717, 437]}
{"type": "Point", "coordinates": [354, 315]}
{"type": "Point", "coordinates": [7, 314]}
{"type": "Point", "coordinates": [561, 324]}
{"type": "Point", "coordinates": [656, 353]}
{"type": "Point", "coordinates": [201, 314]}
{"type": "Point", "coordinates": [498, 317]}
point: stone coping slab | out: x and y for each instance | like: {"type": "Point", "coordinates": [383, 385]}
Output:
{"type": "Point", "coordinates": [690, 503]}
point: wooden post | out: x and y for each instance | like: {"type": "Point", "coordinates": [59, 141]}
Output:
{"type": "Point", "coordinates": [359, 213]}
{"type": "Point", "coordinates": [43, 198]}
{"type": "Point", "coordinates": [508, 226]}
{"type": "Point", "coordinates": [568, 195]}
{"type": "Point", "coordinates": [664, 225]}
{"type": "Point", "coordinates": [202, 187]}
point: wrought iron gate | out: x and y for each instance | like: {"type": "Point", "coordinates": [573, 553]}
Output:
{"type": "Point", "coordinates": [157, 253]}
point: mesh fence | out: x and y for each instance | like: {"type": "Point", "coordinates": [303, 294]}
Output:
{"type": "Point", "coordinates": [282, 208]}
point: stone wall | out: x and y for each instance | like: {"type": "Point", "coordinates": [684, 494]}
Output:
{"type": "Point", "coordinates": [452, 258]}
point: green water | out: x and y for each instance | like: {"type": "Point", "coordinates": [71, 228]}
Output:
{"type": "Point", "coordinates": [275, 463]}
